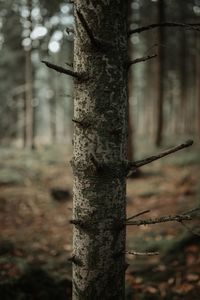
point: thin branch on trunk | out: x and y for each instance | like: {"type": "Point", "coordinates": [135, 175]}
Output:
{"type": "Point", "coordinates": [69, 30]}
{"type": "Point", "coordinates": [190, 229]}
{"type": "Point", "coordinates": [141, 59]}
{"type": "Point", "coordinates": [140, 163]}
{"type": "Point", "coordinates": [69, 64]}
{"type": "Point", "coordinates": [142, 253]}
{"type": "Point", "coordinates": [126, 266]}
{"type": "Point", "coordinates": [60, 69]}
{"type": "Point", "coordinates": [164, 24]}
{"type": "Point", "coordinates": [75, 260]}
{"type": "Point", "coordinates": [139, 214]}
{"type": "Point", "coordinates": [82, 123]}
{"type": "Point", "coordinates": [175, 218]}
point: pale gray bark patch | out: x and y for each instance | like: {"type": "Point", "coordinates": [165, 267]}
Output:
{"type": "Point", "coordinates": [100, 151]}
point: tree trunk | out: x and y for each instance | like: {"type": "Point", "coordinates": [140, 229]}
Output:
{"type": "Point", "coordinates": [53, 111]}
{"type": "Point", "coordinates": [130, 92]}
{"type": "Point", "coordinates": [100, 147]}
{"type": "Point", "coordinates": [160, 100]}
{"type": "Point", "coordinates": [198, 87]}
{"type": "Point", "coordinates": [29, 102]}
{"type": "Point", "coordinates": [183, 76]}
{"type": "Point", "coordinates": [29, 107]}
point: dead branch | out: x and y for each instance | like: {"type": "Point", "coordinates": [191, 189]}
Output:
{"type": "Point", "coordinates": [141, 59]}
{"type": "Point", "coordinates": [139, 214]}
{"type": "Point", "coordinates": [75, 260]}
{"type": "Point", "coordinates": [77, 122]}
{"type": "Point", "coordinates": [164, 24]}
{"type": "Point", "coordinates": [84, 124]}
{"type": "Point", "coordinates": [126, 266]}
{"type": "Point", "coordinates": [60, 69]}
{"type": "Point", "coordinates": [71, 65]}
{"type": "Point", "coordinates": [175, 218]}
{"type": "Point", "coordinates": [69, 30]}
{"type": "Point", "coordinates": [189, 229]}
{"type": "Point", "coordinates": [140, 163]}
{"type": "Point", "coordinates": [141, 253]}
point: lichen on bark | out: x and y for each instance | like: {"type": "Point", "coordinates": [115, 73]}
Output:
{"type": "Point", "coordinates": [100, 150]}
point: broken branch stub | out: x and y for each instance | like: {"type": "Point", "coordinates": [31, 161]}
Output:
{"type": "Point", "coordinates": [60, 69]}
{"type": "Point", "coordinates": [165, 24]}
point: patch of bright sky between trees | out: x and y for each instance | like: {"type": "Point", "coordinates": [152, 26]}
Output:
{"type": "Point", "coordinates": [39, 31]}
{"type": "Point", "coordinates": [64, 18]}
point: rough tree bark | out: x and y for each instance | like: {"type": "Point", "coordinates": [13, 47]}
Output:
{"type": "Point", "coordinates": [198, 87]}
{"type": "Point", "coordinates": [100, 147]}
{"type": "Point", "coordinates": [130, 92]}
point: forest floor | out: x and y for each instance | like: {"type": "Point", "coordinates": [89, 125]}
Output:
{"type": "Point", "coordinates": [36, 236]}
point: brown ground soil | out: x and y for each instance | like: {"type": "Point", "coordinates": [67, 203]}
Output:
{"type": "Point", "coordinates": [36, 236]}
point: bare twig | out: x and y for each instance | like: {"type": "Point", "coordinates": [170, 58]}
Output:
{"type": "Point", "coordinates": [193, 211]}
{"type": "Point", "coordinates": [126, 266]}
{"type": "Point", "coordinates": [175, 218]}
{"type": "Point", "coordinates": [139, 214]}
{"type": "Point", "coordinates": [61, 69]}
{"type": "Point", "coordinates": [75, 260]}
{"type": "Point", "coordinates": [190, 229]}
{"type": "Point", "coordinates": [69, 64]}
{"type": "Point", "coordinates": [84, 124]}
{"type": "Point", "coordinates": [140, 163]}
{"type": "Point", "coordinates": [164, 24]}
{"type": "Point", "coordinates": [141, 253]}
{"type": "Point", "coordinates": [69, 30]}
{"type": "Point", "coordinates": [78, 122]}
{"type": "Point", "coordinates": [141, 59]}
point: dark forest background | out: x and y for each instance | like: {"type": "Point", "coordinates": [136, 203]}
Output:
{"type": "Point", "coordinates": [36, 104]}
{"type": "Point", "coordinates": [36, 128]}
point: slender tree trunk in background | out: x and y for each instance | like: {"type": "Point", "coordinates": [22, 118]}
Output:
{"type": "Point", "coordinates": [29, 102]}
{"type": "Point", "coordinates": [183, 77]}
{"type": "Point", "coordinates": [53, 119]}
{"type": "Point", "coordinates": [29, 108]}
{"type": "Point", "coordinates": [130, 138]}
{"type": "Point", "coordinates": [161, 52]}
{"type": "Point", "coordinates": [130, 94]}
{"type": "Point", "coordinates": [100, 148]}
{"type": "Point", "coordinates": [24, 121]}
{"type": "Point", "coordinates": [198, 87]}
{"type": "Point", "coordinates": [52, 107]}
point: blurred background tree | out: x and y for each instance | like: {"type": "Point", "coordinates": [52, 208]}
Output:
{"type": "Point", "coordinates": [34, 108]}
{"type": "Point", "coordinates": [164, 92]}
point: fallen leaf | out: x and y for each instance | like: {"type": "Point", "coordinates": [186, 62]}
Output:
{"type": "Point", "coordinates": [192, 277]}
{"type": "Point", "coordinates": [151, 290]}
{"type": "Point", "coordinates": [190, 259]}
{"type": "Point", "coordinates": [171, 281]}
{"type": "Point", "coordinates": [183, 288]}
